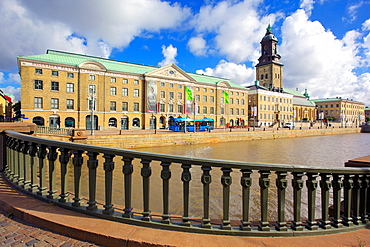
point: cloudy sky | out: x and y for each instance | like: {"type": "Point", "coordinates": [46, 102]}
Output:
{"type": "Point", "coordinates": [324, 44]}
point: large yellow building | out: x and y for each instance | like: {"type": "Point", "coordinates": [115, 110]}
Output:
{"type": "Point", "coordinates": [61, 89]}
{"type": "Point", "coordinates": [349, 112]}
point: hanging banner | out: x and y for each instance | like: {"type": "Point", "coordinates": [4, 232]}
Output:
{"type": "Point", "coordinates": [151, 96]}
{"type": "Point", "coordinates": [226, 97]}
{"type": "Point", "coordinates": [189, 98]}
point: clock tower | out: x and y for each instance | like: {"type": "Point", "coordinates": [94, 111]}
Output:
{"type": "Point", "coordinates": [269, 70]}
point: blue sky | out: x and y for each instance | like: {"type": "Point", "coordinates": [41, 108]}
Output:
{"type": "Point", "coordinates": [324, 44]}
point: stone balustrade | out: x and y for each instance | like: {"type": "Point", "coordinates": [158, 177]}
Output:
{"type": "Point", "coordinates": [321, 200]}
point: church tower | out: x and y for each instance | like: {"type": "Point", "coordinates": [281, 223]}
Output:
{"type": "Point", "coordinates": [269, 70]}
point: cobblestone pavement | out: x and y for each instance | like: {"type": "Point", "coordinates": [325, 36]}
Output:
{"type": "Point", "coordinates": [15, 232]}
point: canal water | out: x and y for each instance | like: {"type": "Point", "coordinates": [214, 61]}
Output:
{"type": "Point", "coordinates": [322, 151]}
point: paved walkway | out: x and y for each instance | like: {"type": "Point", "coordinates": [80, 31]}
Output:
{"type": "Point", "coordinates": [29, 219]}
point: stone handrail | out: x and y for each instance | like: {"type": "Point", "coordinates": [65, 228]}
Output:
{"type": "Point", "coordinates": [54, 130]}
{"type": "Point", "coordinates": [32, 164]}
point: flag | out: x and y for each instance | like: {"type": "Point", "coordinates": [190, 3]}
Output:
{"type": "Point", "coordinates": [189, 93]}
{"type": "Point", "coordinates": [226, 96]}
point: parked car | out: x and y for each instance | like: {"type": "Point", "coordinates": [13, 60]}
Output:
{"type": "Point", "coordinates": [288, 125]}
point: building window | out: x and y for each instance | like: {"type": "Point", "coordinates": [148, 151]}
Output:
{"type": "Point", "coordinates": [179, 108]}
{"type": "Point", "coordinates": [172, 95]}
{"type": "Point", "coordinates": [197, 98]}
{"type": "Point", "coordinates": [92, 77]}
{"type": "Point", "coordinates": [70, 75]}
{"type": "Point", "coordinates": [54, 86]}
{"type": "Point", "coordinates": [243, 112]}
{"type": "Point", "coordinates": [54, 103]}
{"type": "Point", "coordinates": [204, 110]}
{"type": "Point", "coordinates": [136, 82]}
{"type": "Point", "coordinates": [204, 98]}
{"type": "Point", "coordinates": [113, 79]}
{"type": "Point", "coordinates": [38, 71]}
{"type": "Point", "coordinates": [38, 102]}
{"type": "Point", "coordinates": [171, 84]}
{"type": "Point", "coordinates": [124, 91]}
{"type": "Point", "coordinates": [70, 104]}
{"type": "Point", "coordinates": [54, 73]}
{"type": "Point", "coordinates": [212, 99]}
{"type": "Point", "coordinates": [179, 86]}
{"type": "Point", "coordinates": [170, 107]}
{"type": "Point", "coordinates": [222, 110]}
{"type": "Point", "coordinates": [162, 84]}
{"type": "Point", "coordinates": [136, 92]}
{"type": "Point", "coordinates": [231, 111]}
{"type": "Point", "coordinates": [222, 100]}
{"type": "Point", "coordinates": [124, 81]}
{"type": "Point", "coordinates": [237, 101]}
{"type": "Point", "coordinates": [136, 106]}
{"type": "Point", "coordinates": [179, 95]}
{"type": "Point", "coordinates": [92, 89]}
{"type": "Point", "coordinates": [163, 94]}
{"type": "Point", "coordinates": [231, 100]}
{"type": "Point", "coordinates": [113, 91]}
{"type": "Point", "coordinates": [162, 108]}
{"type": "Point", "coordinates": [237, 111]}
{"type": "Point", "coordinates": [124, 106]}
{"type": "Point", "coordinates": [212, 110]}
{"type": "Point", "coordinates": [204, 89]}
{"type": "Point", "coordinates": [212, 91]}
{"type": "Point", "coordinates": [113, 106]}
{"type": "Point", "coordinates": [243, 101]}
{"type": "Point", "coordinates": [38, 84]}
{"type": "Point", "coordinates": [70, 88]}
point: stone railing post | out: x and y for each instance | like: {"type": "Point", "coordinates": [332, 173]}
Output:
{"type": "Point", "coordinates": [206, 181]}
{"type": "Point", "coordinates": [165, 176]}
{"type": "Point", "coordinates": [325, 186]}
{"type": "Point", "coordinates": [32, 152]}
{"type": "Point", "coordinates": [226, 181]}
{"type": "Point", "coordinates": [337, 184]}
{"type": "Point", "coordinates": [41, 154]}
{"type": "Point", "coordinates": [92, 165]}
{"type": "Point", "coordinates": [297, 183]}
{"type": "Point", "coordinates": [186, 178]}
{"type": "Point", "coordinates": [264, 183]}
{"type": "Point", "coordinates": [146, 172]}
{"type": "Point", "coordinates": [311, 184]}
{"type": "Point", "coordinates": [64, 159]}
{"type": "Point", "coordinates": [77, 162]}
{"type": "Point", "coordinates": [281, 184]}
{"type": "Point", "coordinates": [357, 184]}
{"type": "Point", "coordinates": [246, 183]}
{"type": "Point", "coordinates": [108, 177]}
{"type": "Point", "coordinates": [52, 156]}
{"type": "Point", "coordinates": [26, 166]}
{"type": "Point", "coordinates": [127, 170]}
{"type": "Point", "coordinates": [348, 185]}
{"type": "Point", "coordinates": [364, 200]}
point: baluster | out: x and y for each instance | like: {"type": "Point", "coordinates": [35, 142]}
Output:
{"type": "Point", "coordinates": [166, 175]}
{"type": "Point", "coordinates": [77, 162]}
{"type": "Point", "coordinates": [32, 153]}
{"type": "Point", "coordinates": [264, 183]}
{"type": "Point", "coordinates": [206, 180]}
{"type": "Point", "coordinates": [64, 159]}
{"type": "Point", "coordinates": [246, 182]}
{"type": "Point", "coordinates": [297, 183]}
{"type": "Point", "coordinates": [127, 170]}
{"type": "Point", "coordinates": [108, 168]}
{"type": "Point", "coordinates": [363, 199]}
{"type": "Point", "coordinates": [20, 167]}
{"type": "Point", "coordinates": [226, 181]}
{"type": "Point", "coordinates": [146, 172]}
{"type": "Point", "coordinates": [368, 199]}
{"type": "Point", "coordinates": [348, 185]}
{"type": "Point", "coordinates": [311, 184]}
{"type": "Point", "coordinates": [92, 164]}
{"type": "Point", "coordinates": [281, 184]}
{"type": "Point", "coordinates": [357, 184]}
{"type": "Point", "coordinates": [186, 178]}
{"type": "Point", "coordinates": [26, 166]}
{"type": "Point", "coordinates": [337, 192]}
{"type": "Point", "coordinates": [8, 167]}
{"type": "Point", "coordinates": [325, 187]}
{"type": "Point", "coordinates": [41, 154]}
{"type": "Point", "coordinates": [14, 174]}
{"type": "Point", "coordinates": [52, 156]}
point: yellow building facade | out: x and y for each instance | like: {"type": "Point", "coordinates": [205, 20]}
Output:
{"type": "Point", "coordinates": [61, 89]}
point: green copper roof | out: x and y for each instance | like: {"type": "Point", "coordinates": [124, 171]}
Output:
{"type": "Point", "coordinates": [333, 99]}
{"type": "Point", "coordinates": [74, 59]}
{"type": "Point", "coordinates": [294, 92]}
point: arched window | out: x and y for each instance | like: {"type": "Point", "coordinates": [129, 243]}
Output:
{"type": "Point", "coordinates": [69, 122]}
{"type": "Point", "coordinates": [38, 121]}
{"type": "Point", "coordinates": [136, 122]}
{"type": "Point", "coordinates": [112, 122]}
{"type": "Point", "coordinates": [124, 123]}
{"type": "Point", "coordinates": [262, 77]}
{"type": "Point", "coordinates": [267, 76]}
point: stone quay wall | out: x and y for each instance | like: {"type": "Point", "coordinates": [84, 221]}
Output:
{"type": "Point", "coordinates": [190, 138]}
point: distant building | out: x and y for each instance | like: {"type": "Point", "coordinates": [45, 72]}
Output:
{"type": "Point", "coordinates": [349, 112]}
{"type": "Point", "coordinates": [61, 89]}
{"type": "Point", "coordinates": [303, 108]}
{"type": "Point", "coordinates": [6, 109]}
{"type": "Point", "coordinates": [367, 113]}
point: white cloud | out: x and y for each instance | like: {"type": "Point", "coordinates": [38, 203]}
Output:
{"type": "Point", "coordinates": [307, 6]}
{"type": "Point", "coordinates": [197, 46]}
{"type": "Point", "coordinates": [169, 54]}
{"type": "Point", "coordinates": [234, 28]}
{"type": "Point", "coordinates": [237, 73]}
{"type": "Point", "coordinates": [13, 91]}
{"type": "Point", "coordinates": [32, 27]}
{"type": "Point", "coordinates": [366, 25]}
{"type": "Point", "coordinates": [317, 60]}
